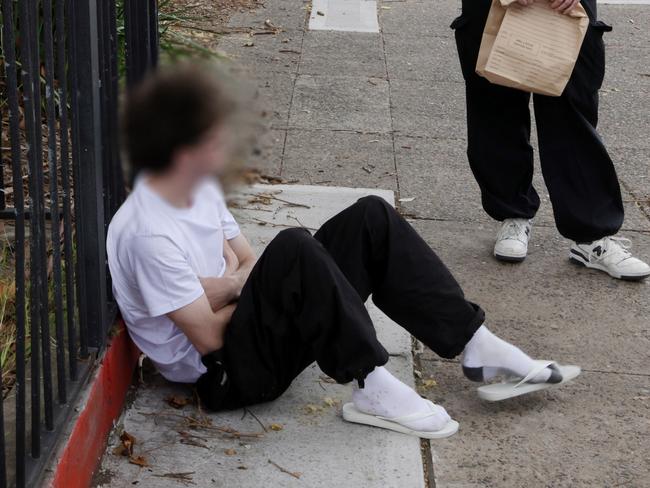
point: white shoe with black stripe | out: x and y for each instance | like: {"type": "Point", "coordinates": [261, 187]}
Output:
{"type": "Point", "coordinates": [611, 255]}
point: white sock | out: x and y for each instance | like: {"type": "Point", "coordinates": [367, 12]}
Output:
{"type": "Point", "coordinates": [497, 356]}
{"type": "Point", "coordinates": [386, 396]}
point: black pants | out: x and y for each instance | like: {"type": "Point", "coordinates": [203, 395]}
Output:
{"type": "Point", "coordinates": [304, 302]}
{"type": "Point", "coordinates": [577, 169]}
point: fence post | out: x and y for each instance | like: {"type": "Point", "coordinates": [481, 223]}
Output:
{"type": "Point", "coordinates": [88, 173]}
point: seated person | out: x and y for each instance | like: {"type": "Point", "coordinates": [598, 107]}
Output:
{"type": "Point", "coordinates": [200, 305]}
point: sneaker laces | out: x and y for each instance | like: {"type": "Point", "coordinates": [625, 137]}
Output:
{"type": "Point", "coordinates": [512, 229]}
{"type": "Point", "coordinates": [615, 248]}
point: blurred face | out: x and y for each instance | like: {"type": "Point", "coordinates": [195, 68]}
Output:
{"type": "Point", "coordinates": [209, 156]}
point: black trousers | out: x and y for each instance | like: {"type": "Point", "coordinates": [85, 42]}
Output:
{"type": "Point", "coordinates": [304, 302]}
{"type": "Point", "coordinates": [577, 169]}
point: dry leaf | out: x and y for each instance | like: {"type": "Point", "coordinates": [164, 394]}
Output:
{"type": "Point", "coordinates": [230, 452]}
{"type": "Point", "coordinates": [329, 401]}
{"type": "Point", "coordinates": [178, 401]}
{"type": "Point", "coordinates": [313, 408]}
{"type": "Point", "coordinates": [276, 427]}
{"type": "Point", "coordinates": [126, 446]}
{"type": "Point", "coordinates": [429, 383]}
{"type": "Point", "coordinates": [139, 461]}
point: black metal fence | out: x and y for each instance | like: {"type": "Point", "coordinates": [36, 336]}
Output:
{"type": "Point", "coordinates": [64, 65]}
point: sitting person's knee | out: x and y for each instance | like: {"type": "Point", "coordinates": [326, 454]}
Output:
{"type": "Point", "coordinates": [374, 205]}
{"type": "Point", "coordinates": [292, 237]}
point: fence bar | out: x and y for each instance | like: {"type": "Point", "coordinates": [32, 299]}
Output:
{"type": "Point", "coordinates": [113, 176]}
{"type": "Point", "coordinates": [141, 38]}
{"type": "Point", "coordinates": [38, 224]}
{"type": "Point", "coordinates": [33, 134]}
{"type": "Point", "coordinates": [11, 73]}
{"type": "Point", "coordinates": [91, 250]}
{"type": "Point", "coordinates": [48, 44]}
{"type": "Point", "coordinates": [73, 82]}
{"type": "Point", "coordinates": [154, 39]}
{"type": "Point", "coordinates": [3, 460]}
{"type": "Point", "coordinates": [65, 184]}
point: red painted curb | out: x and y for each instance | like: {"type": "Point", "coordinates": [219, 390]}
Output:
{"type": "Point", "coordinates": [102, 404]}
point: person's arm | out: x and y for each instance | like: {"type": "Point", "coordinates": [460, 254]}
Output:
{"type": "Point", "coordinates": [226, 289]}
{"type": "Point", "coordinates": [203, 327]}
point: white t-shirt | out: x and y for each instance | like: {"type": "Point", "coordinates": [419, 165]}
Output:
{"type": "Point", "coordinates": [156, 253]}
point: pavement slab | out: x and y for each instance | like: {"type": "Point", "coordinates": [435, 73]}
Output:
{"type": "Point", "coordinates": [349, 53]}
{"type": "Point", "coordinates": [422, 109]}
{"type": "Point", "coordinates": [340, 158]}
{"type": "Point", "coordinates": [344, 15]}
{"type": "Point", "coordinates": [340, 103]}
{"type": "Point", "coordinates": [414, 57]}
{"type": "Point", "coordinates": [419, 17]}
{"type": "Point", "coordinates": [548, 306]}
{"type": "Point", "coordinates": [591, 433]}
{"type": "Point", "coordinates": [264, 53]}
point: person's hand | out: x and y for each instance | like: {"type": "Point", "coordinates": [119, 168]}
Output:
{"type": "Point", "coordinates": [564, 6]}
{"type": "Point", "coordinates": [525, 2]}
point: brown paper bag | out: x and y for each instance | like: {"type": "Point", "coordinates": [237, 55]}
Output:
{"type": "Point", "coordinates": [532, 48]}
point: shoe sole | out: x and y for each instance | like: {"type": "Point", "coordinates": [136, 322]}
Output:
{"type": "Point", "coordinates": [579, 262]}
{"type": "Point", "coordinates": [509, 259]}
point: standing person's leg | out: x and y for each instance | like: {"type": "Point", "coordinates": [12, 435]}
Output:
{"type": "Point", "coordinates": [498, 138]}
{"type": "Point", "coordinates": [381, 254]}
{"type": "Point", "coordinates": [578, 171]}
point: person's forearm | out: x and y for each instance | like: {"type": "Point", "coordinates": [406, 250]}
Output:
{"type": "Point", "coordinates": [242, 274]}
{"type": "Point", "coordinates": [226, 289]}
{"type": "Point", "coordinates": [213, 340]}
{"type": "Point", "coordinates": [221, 291]}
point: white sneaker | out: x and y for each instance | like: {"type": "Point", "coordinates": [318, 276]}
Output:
{"type": "Point", "coordinates": [512, 240]}
{"type": "Point", "coordinates": [611, 255]}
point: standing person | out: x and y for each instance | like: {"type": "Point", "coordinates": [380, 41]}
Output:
{"type": "Point", "coordinates": [578, 171]}
{"type": "Point", "coordinates": [205, 311]}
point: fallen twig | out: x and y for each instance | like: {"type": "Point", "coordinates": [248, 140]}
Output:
{"type": "Point", "coordinates": [206, 423]}
{"type": "Point", "coordinates": [284, 470]}
{"type": "Point", "coordinates": [247, 411]}
{"type": "Point", "coordinates": [178, 476]}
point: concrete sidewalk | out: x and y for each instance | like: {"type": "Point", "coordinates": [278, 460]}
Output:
{"type": "Point", "coordinates": [386, 111]}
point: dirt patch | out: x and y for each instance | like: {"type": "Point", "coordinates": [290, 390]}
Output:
{"type": "Point", "coordinates": [215, 14]}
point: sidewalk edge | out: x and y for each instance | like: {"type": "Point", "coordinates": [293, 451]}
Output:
{"type": "Point", "coordinates": [82, 446]}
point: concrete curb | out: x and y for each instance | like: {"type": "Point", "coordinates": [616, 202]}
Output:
{"type": "Point", "coordinates": [83, 445]}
